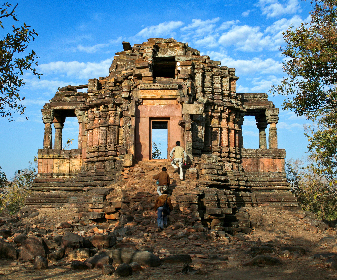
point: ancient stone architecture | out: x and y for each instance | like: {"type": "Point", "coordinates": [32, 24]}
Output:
{"type": "Point", "coordinates": [165, 84]}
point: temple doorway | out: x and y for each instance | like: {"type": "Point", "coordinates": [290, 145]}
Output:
{"type": "Point", "coordinates": [159, 139]}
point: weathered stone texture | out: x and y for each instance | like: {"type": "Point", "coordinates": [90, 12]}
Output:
{"type": "Point", "coordinates": [195, 98]}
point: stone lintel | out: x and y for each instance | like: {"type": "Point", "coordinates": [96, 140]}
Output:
{"type": "Point", "coordinates": [193, 109]}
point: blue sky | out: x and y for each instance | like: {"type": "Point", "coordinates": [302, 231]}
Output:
{"type": "Point", "coordinates": [78, 40]}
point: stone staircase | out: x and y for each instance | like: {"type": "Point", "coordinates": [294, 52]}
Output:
{"type": "Point", "coordinates": [132, 197]}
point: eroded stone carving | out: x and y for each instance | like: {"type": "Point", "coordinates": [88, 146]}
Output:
{"type": "Point", "coordinates": [165, 81]}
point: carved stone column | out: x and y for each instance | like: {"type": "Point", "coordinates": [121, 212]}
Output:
{"type": "Point", "coordinates": [272, 119]}
{"type": "Point", "coordinates": [262, 134]}
{"type": "Point", "coordinates": [58, 124]}
{"type": "Point", "coordinates": [80, 115]}
{"type": "Point", "coordinates": [232, 130]}
{"type": "Point", "coordinates": [47, 139]}
{"type": "Point", "coordinates": [47, 120]}
{"type": "Point", "coordinates": [239, 125]}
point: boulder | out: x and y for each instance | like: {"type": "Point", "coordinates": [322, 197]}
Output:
{"type": "Point", "coordinates": [123, 255]}
{"type": "Point", "coordinates": [263, 260]}
{"type": "Point", "coordinates": [5, 233]}
{"type": "Point", "coordinates": [7, 251]}
{"type": "Point", "coordinates": [40, 263]}
{"type": "Point", "coordinates": [101, 241]}
{"type": "Point", "coordinates": [31, 248]}
{"type": "Point", "coordinates": [107, 269]}
{"type": "Point", "coordinates": [98, 260]}
{"type": "Point", "coordinates": [146, 258]}
{"type": "Point", "coordinates": [20, 238]}
{"type": "Point", "coordinates": [64, 225]}
{"type": "Point", "coordinates": [135, 266]}
{"type": "Point", "coordinates": [72, 240]}
{"type": "Point", "coordinates": [79, 254]}
{"type": "Point", "coordinates": [78, 265]}
{"type": "Point", "coordinates": [124, 270]}
{"type": "Point", "coordinates": [183, 258]}
{"type": "Point", "coordinates": [57, 254]}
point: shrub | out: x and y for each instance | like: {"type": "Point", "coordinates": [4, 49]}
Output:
{"type": "Point", "coordinates": [13, 193]}
{"type": "Point", "coordinates": [315, 193]}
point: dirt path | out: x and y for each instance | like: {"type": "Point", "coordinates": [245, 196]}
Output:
{"type": "Point", "coordinates": [297, 240]}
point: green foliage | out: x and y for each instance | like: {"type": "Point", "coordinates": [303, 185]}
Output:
{"type": "Point", "coordinates": [323, 145]}
{"type": "Point", "coordinates": [3, 179]}
{"type": "Point", "coordinates": [311, 63]}
{"type": "Point", "coordinates": [14, 193]}
{"type": "Point", "coordinates": [13, 63]}
{"type": "Point", "coordinates": [315, 193]}
{"type": "Point", "coordinates": [310, 85]}
{"type": "Point", "coordinates": [156, 152]}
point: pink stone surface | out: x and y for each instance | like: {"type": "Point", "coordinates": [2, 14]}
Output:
{"type": "Point", "coordinates": [144, 114]}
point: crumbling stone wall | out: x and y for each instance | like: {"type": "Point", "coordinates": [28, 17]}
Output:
{"type": "Point", "coordinates": [161, 79]}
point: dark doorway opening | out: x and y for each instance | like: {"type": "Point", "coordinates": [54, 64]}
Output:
{"type": "Point", "coordinates": [164, 67]}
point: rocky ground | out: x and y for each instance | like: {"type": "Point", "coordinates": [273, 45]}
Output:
{"type": "Point", "coordinates": [59, 243]}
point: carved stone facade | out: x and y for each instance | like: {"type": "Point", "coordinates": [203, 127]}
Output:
{"type": "Point", "coordinates": [163, 82]}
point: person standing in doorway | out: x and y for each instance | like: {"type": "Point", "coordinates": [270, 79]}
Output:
{"type": "Point", "coordinates": [179, 158]}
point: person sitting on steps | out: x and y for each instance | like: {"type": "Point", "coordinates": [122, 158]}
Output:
{"type": "Point", "coordinates": [179, 157]}
{"type": "Point", "coordinates": [161, 218]}
{"type": "Point", "coordinates": [164, 180]}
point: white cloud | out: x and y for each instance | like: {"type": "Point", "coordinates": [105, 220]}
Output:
{"type": "Point", "coordinates": [278, 27]}
{"type": "Point", "coordinates": [273, 8]}
{"type": "Point", "coordinates": [246, 38]}
{"type": "Point", "coordinates": [249, 121]}
{"type": "Point", "coordinates": [98, 47]}
{"type": "Point", "coordinates": [79, 70]}
{"type": "Point", "coordinates": [250, 133]}
{"type": "Point", "coordinates": [290, 126]}
{"type": "Point", "coordinates": [116, 41]}
{"type": "Point", "coordinates": [246, 13]}
{"type": "Point", "coordinates": [227, 24]}
{"type": "Point", "coordinates": [92, 49]}
{"type": "Point", "coordinates": [255, 65]}
{"type": "Point", "coordinates": [28, 102]}
{"type": "Point", "coordinates": [201, 32]}
{"type": "Point", "coordinates": [162, 29]}
{"type": "Point", "coordinates": [49, 85]}
{"type": "Point", "coordinates": [208, 41]}
{"type": "Point", "coordinates": [199, 28]}
{"type": "Point", "coordinates": [263, 84]}
{"type": "Point", "coordinates": [289, 115]}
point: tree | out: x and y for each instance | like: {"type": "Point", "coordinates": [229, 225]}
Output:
{"type": "Point", "coordinates": [312, 190]}
{"type": "Point", "coordinates": [310, 85]}
{"type": "Point", "coordinates": [3, 179]}
{"type": "Point", "coordinates": [156, 152]}
{"type": "Point", "coordinates": [13, 194]}
{"type": "Point", "coordinates": [14, 62]}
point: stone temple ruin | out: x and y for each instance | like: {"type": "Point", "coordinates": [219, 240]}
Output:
{"type": "Point", "coordinates": [163, 84]}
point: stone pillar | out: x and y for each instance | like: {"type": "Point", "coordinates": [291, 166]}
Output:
{"type": "Point", "coordinates": [239, 124]}
{"type": "Point", "coordinates": [262, 134]}
{"type": "Point", "coordinates": [79, 115]}
{"type": "Point", "coordinates": [47, 139]}
{"type": "Point", "coordinates": [231, 130]}
{"type": "Point", "coordinates": [58, 124]}
{"type": "Point", "coordinates": [186, 125]}
{"type": "Point", "coordinates": [47, 120]}
{"type": "Point", "coordinates": [272, 119]}
{"type": "Point", "coordinates": [273, 136]}
{"type": "Point", "coordinates": [216, 133]}
{"type": "Point", "coordinates": [91, 118]}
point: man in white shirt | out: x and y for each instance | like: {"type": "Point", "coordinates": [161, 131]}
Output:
{"type": "Point", "coordinates": [179, 158]}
